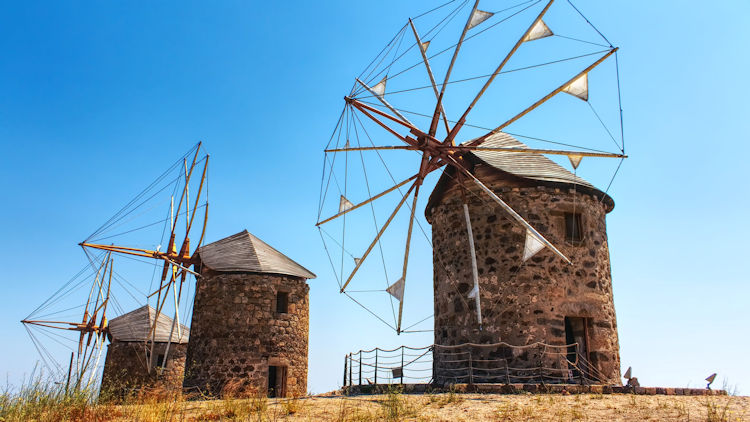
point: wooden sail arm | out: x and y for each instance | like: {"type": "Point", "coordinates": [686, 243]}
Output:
{"type": "Point", "coordinates": [382, 99]}
{"type": "Point", "coordinates": [198, 196]}
{"type": "Point", "coordinates": [438, 106]}
{"type": "Point", "coordinates": [194, 257]}
{"type": "Point", "coordinates": [377, 237]}
{"type": "Point", "coordinates": [61, 325]}
{"type": "Point", "coordinates": [125, 250]}
{"type": "Point", "coordinates": [418, 184]}
{"type": "Point", "coordinates": [522, 150]}
{"type": "Point", "coordinates": [509, 210]}
{"type": "Point", "coordinates": [559, 89]}
{"type": "Point", "coordinates": [379, 148]}
{"type": "Point", "coordinates": [462, 120]}
{"type": "Point", "coordinates": [366, 109]}
{"type": "Point", "coordinates": [430, 74]}
{"type": "Point", "coordinates": [381, 194]}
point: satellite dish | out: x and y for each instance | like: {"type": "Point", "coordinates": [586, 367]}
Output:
{"type": "Point", "coordinates": [710, 380]}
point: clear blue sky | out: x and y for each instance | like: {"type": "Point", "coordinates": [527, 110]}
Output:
{"type": "Point", "coordinates": [97, 98]}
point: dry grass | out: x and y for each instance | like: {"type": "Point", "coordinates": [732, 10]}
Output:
{"type": "Point", "coordinates": [38, 402]}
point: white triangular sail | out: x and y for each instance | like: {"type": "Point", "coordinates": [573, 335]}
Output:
{"type": "Point", "coordinates": [344, 204]}
{"type": "Point", "coordinates": [575, 160]}
{"type": "Point", "coordinates": [579, 88]}
{"type": "Point", "coordinates": [629, 373]}
{"type": "Point", "coordinates": [425, 45]}
{"type": "Point", "coordinates": [474, 292]}
{"type": "Point", "coordinates": [397, 289]}
{"type": "Point", "coordinates": [357, 261]}
{"type": "Point", "coordinates": [347, 145]}
{"type": "Point", "coordinates": [478, 17]}
{"type": "Point", "coordinates": [532, 246]}
{"type": "Point", "coordinates": [540, 30]}
{"type": "Point", "coordinates": [379, 88]}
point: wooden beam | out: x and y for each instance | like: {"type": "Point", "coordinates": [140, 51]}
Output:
{"type": "Point", "coordinates": [533, 151]}
{"type": "Point", "coordinates": [542, 101]}
{"type": "Point", "coordinates": [385, 192]}
{"type": "Point", "coordinates": [380, 233]}
{"type": "Point", "coordinates": [509, 210]}
{"type": "Point", "coordinates": [429, 72]}
{"type": "Point", "coordinates": [462, 120]}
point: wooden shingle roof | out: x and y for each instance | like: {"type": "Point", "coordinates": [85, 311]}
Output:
{"type": "Point", "coordinates": [530, 166]}
{"type": "Point", "coordinates": [136, 326]}
{"type": "Point", "coordinates": [244, 252]}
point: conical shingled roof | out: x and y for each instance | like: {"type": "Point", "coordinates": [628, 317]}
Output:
{"type": "Point", "coordinates": [136, 326]}
{"type": "Point", "coordinates": [530, 166]}
{"type": "Point", "coordinates": [534, 167]}
{"type": "Point", "coordinates": [246, 253]}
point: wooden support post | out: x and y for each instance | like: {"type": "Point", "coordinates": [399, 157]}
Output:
{"type": "Point", "coordinates": [70, 369]}
{"type": "Point", "coordinates": [345, 362]}
{"type": "Point", "coordinates": [360, 367]}
{"type": "Point", "coordinates": [350, 369]}
{"type": "Point", "coordinates": [376, 366]}
{"type": "Point", "coordinates": [402, 365]}
{"type": "Point", "coordinates": [474, 271]}
{"type": "Point", "coordinates": [471, 370]}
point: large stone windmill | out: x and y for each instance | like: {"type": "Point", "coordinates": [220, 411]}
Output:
{"type": "Point", "coordinates": [519, 244]}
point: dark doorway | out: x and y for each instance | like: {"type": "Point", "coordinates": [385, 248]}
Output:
{"type": "Point", "coordinates": [576, 335]}
{"type": "Point", "coordinates": [277, 381]}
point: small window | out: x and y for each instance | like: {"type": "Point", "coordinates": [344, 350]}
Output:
{"type": "Point", "coordinates": [282, 302]}
{"type": "Point", "coordinates": [573, 229]}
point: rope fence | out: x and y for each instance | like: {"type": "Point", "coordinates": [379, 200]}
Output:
{"type": "Point", "coordinates": [498, 363]}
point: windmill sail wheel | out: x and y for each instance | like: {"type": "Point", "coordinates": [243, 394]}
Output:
{"type": "Point", "coordinates": [165, 216]}
{"type": "Point", "coordinates": [50, 322]}
{"type": "Point", "coordinates": [462, 79]}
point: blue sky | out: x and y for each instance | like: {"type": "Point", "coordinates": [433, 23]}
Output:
{"type": "Point", "coordinates": [98, 98]}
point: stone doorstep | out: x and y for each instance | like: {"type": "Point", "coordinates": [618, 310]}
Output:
{"type": "Point", "coordinates": [534, 389]}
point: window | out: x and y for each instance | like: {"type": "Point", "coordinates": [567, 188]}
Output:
{"type": "Point", "coordinates": [573, 229]}
{"type": "Point", "coordinates": [282, 302]}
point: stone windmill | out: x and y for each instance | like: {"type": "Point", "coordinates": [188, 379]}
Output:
{"type": "Point", "coordinates": [518, 242]}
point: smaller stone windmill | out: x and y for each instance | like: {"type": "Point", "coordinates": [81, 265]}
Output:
{"type": "Point", "coordinates": [250, 324]}
{"type": "Point", "coordinates": [129, 355]}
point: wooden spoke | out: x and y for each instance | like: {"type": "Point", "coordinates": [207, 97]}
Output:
{"type": "Point", "coordinates": [381, 194]}
{"type": "Point", "coordinates": [534, 151]}
{"type": "Point", "coordinates": [429, 72]}
{"type": "Point", "coordinates": [438, 106]}
{"type": "Point", "coordinates": [481, 139]}
{"type": "Point", "coordinates": [510, 210]}
{"type": "Point", "coordinates": [462, 120]}
{"type": "Point", "coordinates": [375, 241]}
{"type": "Point", "coordinates": [406, 253]}
{"type": "Point", "coordinates": [387, 147]}
{"type": "Point", "coordinates": [382, 99]}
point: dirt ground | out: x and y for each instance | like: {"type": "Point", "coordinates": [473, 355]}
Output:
{"type": "Point", "coordinates": [470, 407]}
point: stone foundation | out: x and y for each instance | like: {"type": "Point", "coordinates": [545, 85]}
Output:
{"type": "Point", "coordinates": [125, 369]}
{"type": "Point", "coordinates": [524, 303]}
{"type": "Point", "coordinates": [236, 334]}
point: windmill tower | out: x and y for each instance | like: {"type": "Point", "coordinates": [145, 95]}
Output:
{"type": "Point", "coordinates": [525, 299]}
{"type": "Point", "coordinates": [129, 355]}
{"type": "Point", "coordinates": [250, 324]}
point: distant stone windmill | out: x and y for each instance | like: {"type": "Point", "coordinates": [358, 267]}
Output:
{"type": "Point", "coordinates": [519, 244]}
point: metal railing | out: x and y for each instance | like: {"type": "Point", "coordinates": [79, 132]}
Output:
{"type": "Point", "coordinates": [498, 363]}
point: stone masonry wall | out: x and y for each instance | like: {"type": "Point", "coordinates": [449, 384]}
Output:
{"type": "Point", "coordinates": [236, 333]}
{"type": "Point", "coordinates": [125, 369]}
{"type": "Point", "coordinates": [523, 303]}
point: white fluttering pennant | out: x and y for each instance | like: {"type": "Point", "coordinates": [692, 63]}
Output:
{"type": "Point", "coordinates": [532, 246]}
{"type": "Point", "coordinates": [425, 45]}
{"type": "Point", "coordinates": [474, 292]}
{"type": "Point", "coordinates": [357, 261]}
{"type": "Point", "coordinates": [579, 87]}
{"type": "Point", "coordinates": [540, 30]}
{"type": "Point", "coordinates": [397, 289]}
{"type": "Point", "coordinates": [379, 88]}
{"type": "Point", "coordinates": [344, 204]}
{"type": "Point", "coordinates": [575, 160]}
{"type": "Point", "coordinates": [478, 17]}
